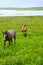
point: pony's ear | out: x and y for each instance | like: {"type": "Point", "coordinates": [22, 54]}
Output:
{"type": "Point", "coordinates": [4, 32]}
{"type": "Point", "coordinates": [22, 30]}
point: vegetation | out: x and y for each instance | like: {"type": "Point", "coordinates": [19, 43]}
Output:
{"type": "Point", "coordinates": [27, 50]}
{"type": "Point", "coordinates": [31, 8]}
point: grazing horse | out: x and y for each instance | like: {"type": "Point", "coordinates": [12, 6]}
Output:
{"type": "Point", "coordinates": [8, 36]}
{"type": "Point", "coordinates": [24, 30]}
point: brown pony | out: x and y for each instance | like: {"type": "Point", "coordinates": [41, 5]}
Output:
{"type": "Point", "coordinates": [24, 30]}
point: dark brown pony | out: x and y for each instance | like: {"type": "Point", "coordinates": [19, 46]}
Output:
{"type": "Point", "coordinates": [8, 36]}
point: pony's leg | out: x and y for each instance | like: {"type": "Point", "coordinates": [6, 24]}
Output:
{"type": "Point", "coordinates": [25, 33]}
{"type": "Point", "coordinates": [14, 39]}
{"type": "Point", "coordinates": [4, 44]}
{"type": "Point", "coordinates": [9, 42]}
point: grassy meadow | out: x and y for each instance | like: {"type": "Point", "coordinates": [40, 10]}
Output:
{"type": "Point", "coordinates": [27, 50]}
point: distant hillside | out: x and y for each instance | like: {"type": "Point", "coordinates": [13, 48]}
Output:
{"type": "Point", "coordinates": [32, 8]}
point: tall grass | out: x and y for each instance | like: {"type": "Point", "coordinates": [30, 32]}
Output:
{"type": "Point", "coordinates": [27, 50]}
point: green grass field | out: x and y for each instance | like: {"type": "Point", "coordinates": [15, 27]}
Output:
{"type": "Point", "coordinates": [27, 50]}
